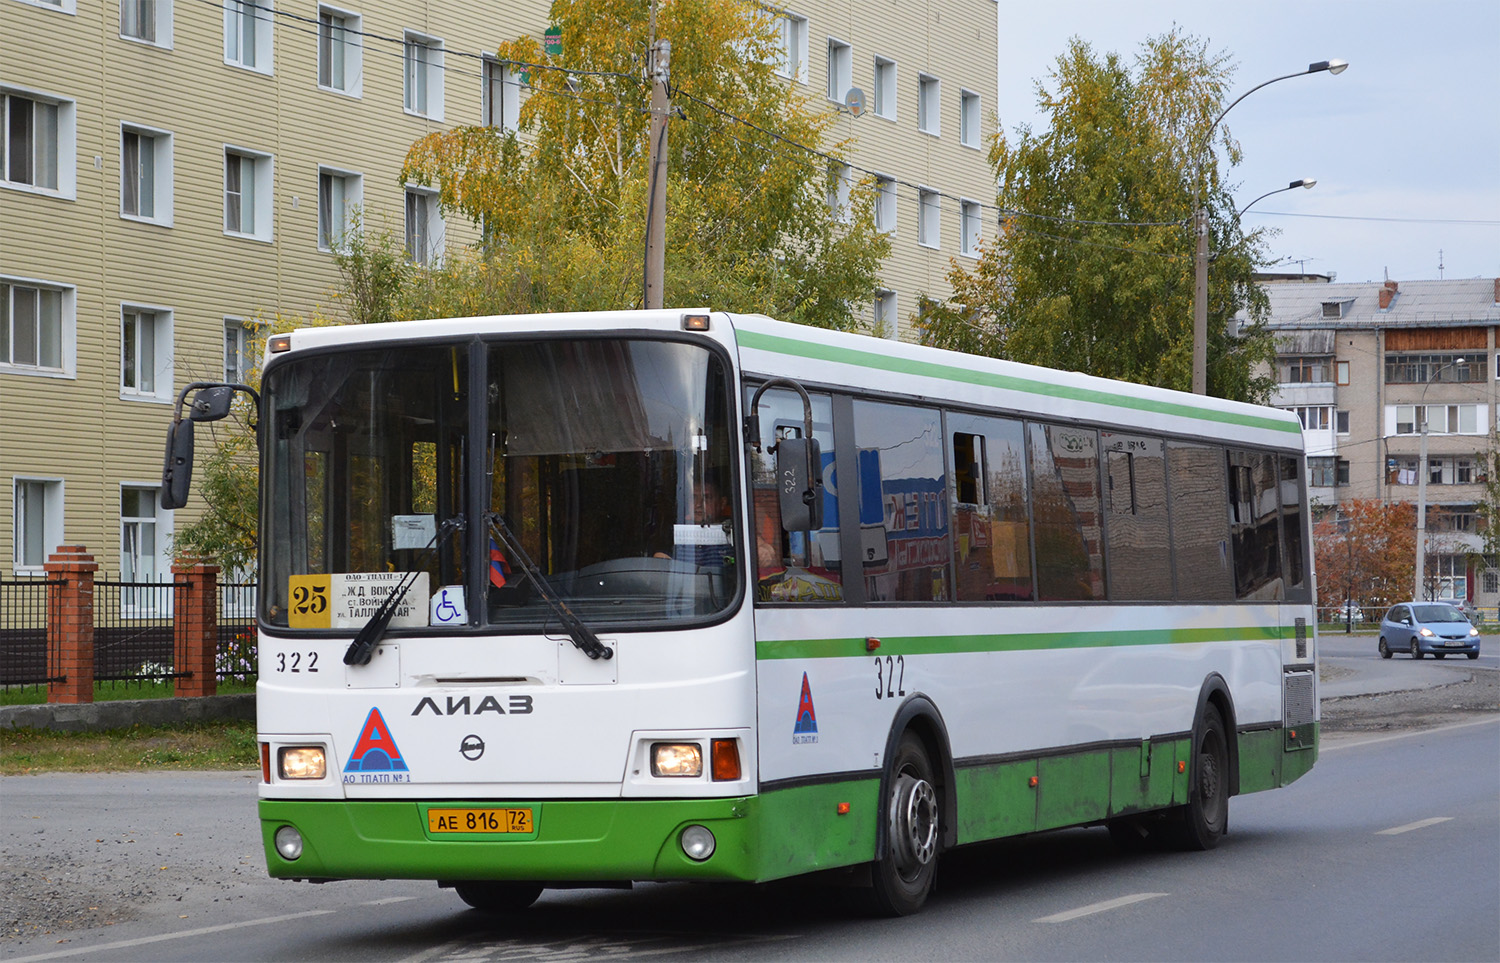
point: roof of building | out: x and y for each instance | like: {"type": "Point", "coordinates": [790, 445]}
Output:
{"type": "Point", "coordinates": [1446, 303]}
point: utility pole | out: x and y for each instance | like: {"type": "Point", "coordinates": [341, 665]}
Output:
{"type": "Point", "coordinates": [656, 203]}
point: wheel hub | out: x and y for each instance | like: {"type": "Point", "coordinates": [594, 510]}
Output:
{"type": "Point", "coordinates": [914, 821]}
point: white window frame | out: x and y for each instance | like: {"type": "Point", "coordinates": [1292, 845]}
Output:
{"type": "Point", "coordinates": [431, 232]}
{"type": "Point", "coordinates": [353, 191]}
{"type": "Point", "coordinates": [159, 12]}
{"type": "Point", "coordinates": [69, 7]}
{"type": "Point", "coordinates": [883, 93]}
{"type": "Point", "coordinates": [971, 227]}
{"type": "Point", "coordinates": [67, 337]}
{"type": "Point", "coordinates": [239, 351]}
{"type": "Point", "coordinates": [64, 147]}
{"type": "Point", "coordinates": [262, 181]}
{"type": "Point", "coordinates": [929, 105]}
{"type": "Point", "coordinates": [161, 174]}
{"type": "Point", "coordinates": [883, 313]}
{"type": "Point", "coordinates": [885, 204]}
{"type": "Point", "coordinates": [969, 119]}
{"type": "Point", "coordinates": [153, 379]}
{"type": "Point", "coordinates": [840, 188]}
{"type": "Point", "coordinates": [422, 75]}
{"type": "Point", "coordinates": [52, 492]}
{"type": "Point", "coordinates": [791, 50]}
{"type": "Point", "coordinates": [499, 82]}
{"type": "Point", "coordinates": [139, 602]}
{"type": "Point", "coordinates": [341, 48]}
{"type": "Point", "coordinates": [840, 69]}
{"type": "Point", "coordinates": [251, 19]}
{"type": "Point", "coordinates": [1403, 419]}
{"type": "Point", "coordinates": [929, 218]}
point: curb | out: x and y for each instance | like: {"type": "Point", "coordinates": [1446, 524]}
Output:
{"type": "Point", "coordinates": [124, 713]}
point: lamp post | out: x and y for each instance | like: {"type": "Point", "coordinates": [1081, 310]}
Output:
{"type": "Point", "coordinates": [1306, 183]}
{"type": "Point", "coordinates": [1422, 482]}
{"type": "Point", "coordinates": [1200, 227]}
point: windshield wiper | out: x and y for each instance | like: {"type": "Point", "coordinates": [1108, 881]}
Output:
{"type": "Point", "coordinates": [581, 634]}
{"type": "Point", "coordinates": [362, 648]}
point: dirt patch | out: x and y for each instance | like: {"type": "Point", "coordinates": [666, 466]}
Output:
{"type": "Point", "coordinates": [1414, 708]}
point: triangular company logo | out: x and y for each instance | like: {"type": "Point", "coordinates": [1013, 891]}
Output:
{"type": "Point", "coordinates": [376, 749]}
{"type": "Point", "coordinates": [806, 729]}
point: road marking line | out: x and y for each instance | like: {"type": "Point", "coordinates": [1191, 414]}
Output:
{"type": "Point", "coordinates": [388, 901]}
{"type": "Point", "coordinates": [142, 941]}
{"type": "Point", "coordinates": [1093, 908]}
{"type": "Point", "coordinates": [1419, 824]}
{"type": "Point", "coordinates": [1375, 740]}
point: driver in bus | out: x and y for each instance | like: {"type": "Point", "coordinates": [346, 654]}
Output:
{"type": "Point", "coordinates": [703, 537]}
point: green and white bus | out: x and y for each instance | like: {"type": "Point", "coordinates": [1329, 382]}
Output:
{"type": "Point", "coordinates": [588, 599]}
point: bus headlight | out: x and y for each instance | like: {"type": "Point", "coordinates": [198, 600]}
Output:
{"type": "Point", "coordinates": [288, 843]}
{"type": "Point", "coordinates": [697, 843]}
{"type": "Point", "coordinates": [302, 762]}
{"type": "Point", "coordinates": [676, 759]}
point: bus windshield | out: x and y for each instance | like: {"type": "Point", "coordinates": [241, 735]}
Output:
{"type": "Point", "coordinates": [604, 466]}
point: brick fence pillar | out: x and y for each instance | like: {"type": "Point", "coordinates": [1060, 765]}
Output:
{"type": "Point", "coordinates": [70, 624]}
{"type": "Point", "coordinates": [195, 628]}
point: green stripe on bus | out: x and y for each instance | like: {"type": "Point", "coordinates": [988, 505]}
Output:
{"type": "Point", "coordinates": [949, 644]}
{"type": "Point", "coordinates": [930, 369]}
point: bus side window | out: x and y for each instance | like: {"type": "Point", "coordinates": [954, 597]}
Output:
{"type": "Point", "coordinates": [1066, 512]}
{"type": "Point", "coordinates": [903, 495]}
{"type": "Point", "coordinates": [1255, 528]}
{"type": "Point", "coordinates": [968, 469]}
{"type": "Point", "coordinates": [1200, 522]}
{"type": "Point", "coordinates": [793, 566]}
{"type": "Point", "coordinates": [991, 530]}
{"type": "Point", "coordinates": [1291, 522]}
{"type": "Point", "coordinates": [1139, 553]}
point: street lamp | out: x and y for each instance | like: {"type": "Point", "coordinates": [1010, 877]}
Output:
{"type": "Point", "coordinates": [1422, 482]}
{"type": "Point", "coordinates": [1306, 183]}
{"type": "Point", "coordinates": [1200, 227]}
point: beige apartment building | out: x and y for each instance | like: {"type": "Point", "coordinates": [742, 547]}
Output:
{"type": "Point", "coordinates": [1361, 364]}
{"type": "Point", "coordinates": [173, 170]}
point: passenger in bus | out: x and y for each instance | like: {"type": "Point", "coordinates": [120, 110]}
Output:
{"type": "Point", "coordinates": [702, 538]}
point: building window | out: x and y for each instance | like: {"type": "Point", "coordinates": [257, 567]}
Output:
{"type": "Point", "coordinates": [929, 225]}
{"type": "Point", "coordinates": [142, 549]}
{"type": "Point", "coordinates": [1341, 419]}
{"type": "Point", "coordinates": [969, 221]}
{"type": "Point", "coordinates": [35, 326]}
{"type": "Point", "coordinates": [38, 521]}
{"type": "Point", "coordinates": [340, 195]}
{"type": "Point", "coordinates": [423, 59]}
{"type": "Point", "coordinates": [885, 204]}
{"type": "Point", "coordinates": [1313, 417]}
{"type": "Point", "coordinates": [791, 50]}
{"type": "Point", "coordinates": [840, 183]}
{"type": "Point", "coordinates": [1327, 472]}
{"type": "Point", "coordinates": [1333, 310]}
{"type": "Point", "coordinates": [1452, 578]}
{"type": "Point", "coordinates": [840, 69]}
{"type": "Point", "coordinates": [1441, 419]}
{"type": "Point", "coordinates": [885, 88]}
{"type": "Point", "coordinates": [886, 322]}
{"type": "Point", "coordinates": [247, 193]}
{"type": "Point", "coordinates": [340, 53]}
{"type": "Point", "coordinates": [1341, 376]}
{"type": "Point", "coordinates": [1491, 581]}
{"type": "Point", "coordinates": [929, 104]}
{"type": "Point", "coordinates": [968, 119]}
{"type": "Point", "coordinates": [145, 352]}
{"type": "Point", "coordinates": [146, 174]}
{"type": "Point", "coordinates": [1303, 370]}
{"type": "Point", "coordinates": [424, 227]}
{"type": "Point", "coordinates": [247, 34]}
{"type": "Point", "coordinates": [149, 21]}
{"type": "Point", "coordinates": [69, 7]}
{"type": "Point", "coordinates": [1454, 368]}
{"type": "Point", "coordinates": [38, 142]}
{"type": "Point", "coordinates": [502, 95]}
{"type": "Point", "coordinates": [239, 352]}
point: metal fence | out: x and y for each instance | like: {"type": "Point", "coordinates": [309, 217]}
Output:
{"type": "Point", "coordinates": [23, 632]}
{"type": "Point", "coordinates": [133, 632]}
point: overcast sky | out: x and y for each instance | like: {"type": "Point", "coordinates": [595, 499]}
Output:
{"type": "Point", "coordinates": [1409, 133]}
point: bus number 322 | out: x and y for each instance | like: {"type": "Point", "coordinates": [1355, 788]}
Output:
{"type": "Point", "coordinates": [890, 676]}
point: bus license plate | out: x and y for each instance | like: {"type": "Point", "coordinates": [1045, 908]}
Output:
{"type": "Point", "coordinates": [479, 820]}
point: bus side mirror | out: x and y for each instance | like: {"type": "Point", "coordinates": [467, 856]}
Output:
{"type": "Point", "coordinates": [177, 469]}
{"type": "Point", "coordinates": [799, 485]}
{"type": "Point", "coordinates": [211, 404]}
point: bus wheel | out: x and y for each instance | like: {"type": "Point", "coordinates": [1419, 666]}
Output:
{"type": "Point", "coordinates": [499, 898]}
{"type": "Point", "coordinates": [1204, 820]}
{"type": "Point", "coordinates": [904, 876]}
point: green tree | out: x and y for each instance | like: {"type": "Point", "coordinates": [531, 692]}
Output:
{"type": "Point", "coordinates": [562, 202]}
{"type": "Point", "coordinates": [1093, 268]}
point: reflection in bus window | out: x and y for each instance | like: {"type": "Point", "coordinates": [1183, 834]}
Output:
{"type": "Point", "coordinates": [793, 566]}
{"type": "Point", "coordinates": [1200, 529]}
{"type": "Point", "coordinates": [1066, 512]}
{"type": "Point", "coordinates": [991, 531]}
{"type": "Point", "coordinates": [1140, 556]}
{"type": "Point", "coordinates": [1291, 521]}
{"type": "Point", "coordinates": [903, 498]}
{"type": "Point", "coordinates": [1254, 500]}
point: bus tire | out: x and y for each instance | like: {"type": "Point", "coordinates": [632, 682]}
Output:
{"type": "Point", "coordinates": [903, 877]}
{"type": "Point", "coordinates": [497, 897]}
{"type": "Point", "coordinates": [1205, 819]}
